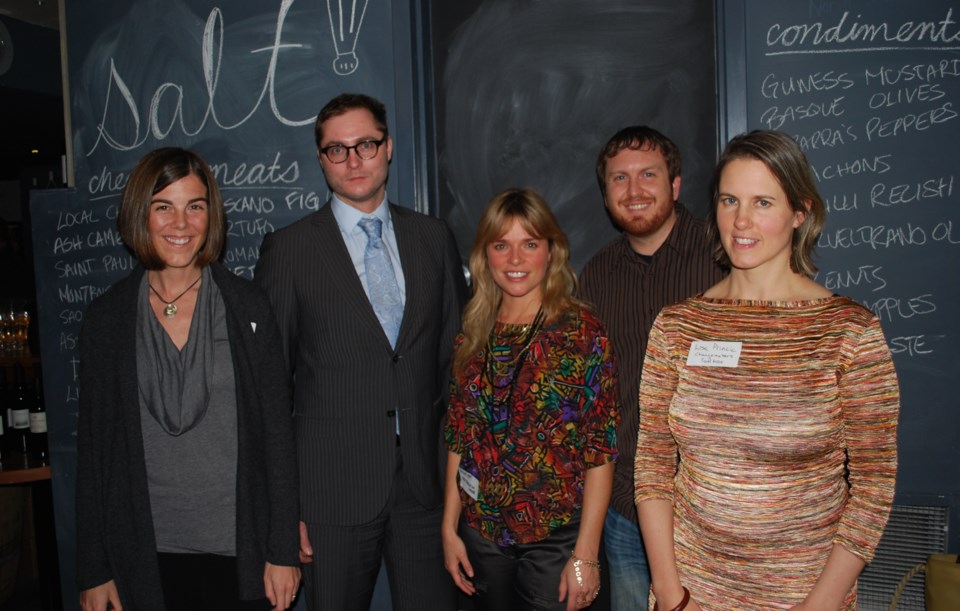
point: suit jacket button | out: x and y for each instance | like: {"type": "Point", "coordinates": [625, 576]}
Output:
{"type": "Point", "coordinates": [391, 413]}
{"type": "Point", "coordinates": [396, 358]}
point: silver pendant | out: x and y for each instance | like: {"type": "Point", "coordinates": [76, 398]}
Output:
{"type": "Point", "coordinates": [170, 310]}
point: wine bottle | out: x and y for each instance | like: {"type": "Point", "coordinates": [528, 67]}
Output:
{"type": "Point", "coordinates": [6, 415]}
{"type": "Point", "coordinates": [21, 412]}
{"type": "Point", "coordinates": [3, 411]}
{"type": "Point", "coordinates": [39, 447]}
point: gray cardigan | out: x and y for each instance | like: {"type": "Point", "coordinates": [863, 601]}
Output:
{"type": "Point", "coordinates": [115, 537]}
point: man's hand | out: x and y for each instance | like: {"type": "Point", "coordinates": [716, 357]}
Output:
{"type": "Point", "coordinates": [306, 550]}
{"type": "Point", "coordinates": [100, 597]}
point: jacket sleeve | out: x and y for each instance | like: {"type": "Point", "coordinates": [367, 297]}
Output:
{"type": "Point", "coordinates": [93, 565]}
{"type": "Point", "coordinates": [454, 298]}
{"type": "Point", "coordinates": [280, 454]}
{"type": "Point", "coordinates": [274, 275]}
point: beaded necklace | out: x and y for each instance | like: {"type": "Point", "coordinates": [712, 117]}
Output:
{"type": "Point", "coordinates": [515, 364]}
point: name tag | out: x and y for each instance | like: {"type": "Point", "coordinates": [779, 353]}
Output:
{"type": "Point", "coordinates": [714, 354]}
{"type": "Point", "coordinates": [469, 483]}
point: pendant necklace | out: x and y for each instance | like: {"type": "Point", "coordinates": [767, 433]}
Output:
{"type": "Point", "coordinates": [170, 307]}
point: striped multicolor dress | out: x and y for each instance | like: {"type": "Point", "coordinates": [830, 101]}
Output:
{"type": "Point", "coordinates": [771, 460]}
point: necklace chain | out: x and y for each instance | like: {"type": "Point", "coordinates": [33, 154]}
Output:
{"type": "Point", "coordinates": [503, 402]}
{"type": "Point", "coordinates": [517, 362]}
{"type": "Point", "coordinates": [170, 307]}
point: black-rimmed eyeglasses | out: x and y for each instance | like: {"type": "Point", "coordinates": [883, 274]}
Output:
{"type": "Point", "coordinates": [338, 153]}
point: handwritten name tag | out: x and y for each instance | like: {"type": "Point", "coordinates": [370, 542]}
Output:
{"type": "Point", "coordinates": [469, 483]}
{"type": "Point", "coordinates": [714, 354]}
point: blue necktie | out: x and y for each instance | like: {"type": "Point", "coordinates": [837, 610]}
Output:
{"type": "Point", "coordinates": [382, 285]}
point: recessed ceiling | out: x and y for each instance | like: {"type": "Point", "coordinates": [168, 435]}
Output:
{"type": "Point", "coordinates": [30, 120]}
{"type": "Point", "coordinates": [44, 13]}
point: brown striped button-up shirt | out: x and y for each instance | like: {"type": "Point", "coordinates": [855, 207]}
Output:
{"type": "Point", "coordinates": [628, 290]}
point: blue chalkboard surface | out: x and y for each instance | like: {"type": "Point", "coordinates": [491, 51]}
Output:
{"type": "Point", "coordinates": [871, 91]}
{"type": "Point", "coordinates": [527, 93]}
{"type": "Point", "coordinates": [239, 82]}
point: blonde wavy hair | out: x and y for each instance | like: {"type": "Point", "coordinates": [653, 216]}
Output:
{"type": "Point", "coordinates": [559, 283]}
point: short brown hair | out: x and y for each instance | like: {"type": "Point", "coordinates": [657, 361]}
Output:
{"type": "Point", "coordinates": [638, 137]}
{"type": "Point", "coordinates": [346, 102]}
{"type": "Point", "coordinates": [155, 171]}
{"type": "Point", "coordinates": [784, 158]}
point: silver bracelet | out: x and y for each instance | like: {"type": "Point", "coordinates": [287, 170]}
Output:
{"type": "Point", "coordinates": [576, 567]}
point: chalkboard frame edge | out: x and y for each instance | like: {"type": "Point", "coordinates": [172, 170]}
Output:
{"type": "Point", "coordinates": [731, 69]}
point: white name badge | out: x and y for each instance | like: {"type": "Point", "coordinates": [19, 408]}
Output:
{"type": "Point", "coordinates": [714, 354]}
{"type": "Point", "coordinates": [469, 483]}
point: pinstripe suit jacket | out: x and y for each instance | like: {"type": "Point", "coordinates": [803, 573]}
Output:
{"type": "Point", "coordinates": [349, 382]}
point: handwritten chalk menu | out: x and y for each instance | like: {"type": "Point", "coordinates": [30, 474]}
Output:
{"type": "Point", "coordinates": [871, 91]}
{"type": "Point", "coordinates": [241, 83]}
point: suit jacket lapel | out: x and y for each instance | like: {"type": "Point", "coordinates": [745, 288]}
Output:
{"type": "Point", "coordinates": [405, 231]}
{"type": "Point", "coordinates": [333, 254]}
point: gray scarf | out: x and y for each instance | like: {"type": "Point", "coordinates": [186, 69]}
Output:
{"type": "Point", "coordinates": [175, 384]}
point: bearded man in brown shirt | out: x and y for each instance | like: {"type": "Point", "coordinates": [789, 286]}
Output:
{"type": "Point", "coordinates": [661, 256]}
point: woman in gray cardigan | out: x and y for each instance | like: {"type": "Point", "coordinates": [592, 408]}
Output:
{"type": "Point", "coordinates": [186, 481]}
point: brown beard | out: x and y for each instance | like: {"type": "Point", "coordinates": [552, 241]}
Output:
{"type": "Point", "coordinates": [644, 225]}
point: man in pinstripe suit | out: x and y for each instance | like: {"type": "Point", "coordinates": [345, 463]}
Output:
{"type": "Point", "coordinates": [368, 397]}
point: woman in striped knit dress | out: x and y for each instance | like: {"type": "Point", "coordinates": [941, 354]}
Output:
{"type": "Point", "coordinates": [768, 411]}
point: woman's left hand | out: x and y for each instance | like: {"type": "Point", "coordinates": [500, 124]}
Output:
{"type": "Point", "coordinates": [281, 584]}
{"type": "Point", "coordinates": [579, 594]}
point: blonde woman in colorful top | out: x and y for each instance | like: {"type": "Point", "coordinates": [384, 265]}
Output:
{"type": "Point", "coordinates": [531, 428]}
{"type": "Point", "coordinates": [768, 411]}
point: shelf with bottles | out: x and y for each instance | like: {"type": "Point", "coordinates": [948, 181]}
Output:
{"type": "Point", "coordinates": [23, 472]}
{"type": "Point", "coordinates": [28, 361]}
{"type": "Point", "coordinates": [17, 328]}
{"type": "Point", "coordinates": [23, 417]}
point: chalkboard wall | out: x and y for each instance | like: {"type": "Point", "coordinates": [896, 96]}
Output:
{"type": "Point", "coordinates": [239, 82]}
{"type": "Point", "coordinates": [527, 93]}
{"type": "Point", "coordinates": [487, 94]}
{"type": "Point", "coordinates": [871, 91]}
{"type": "Point", "coordinates": [523, 93]}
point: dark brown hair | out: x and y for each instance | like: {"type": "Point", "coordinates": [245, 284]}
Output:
{"type": "Point", "coordinates": [638, 137]}
{"type": "Point", "coordinates": [784, 159]}
{"type": "Point", "coordinates": [346, 102]}
{"type": "Point", "coordinates": [155, 171]}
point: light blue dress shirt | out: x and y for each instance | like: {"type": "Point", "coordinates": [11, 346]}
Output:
{"type": "Point", "coordinates": [356, 240]}
{"type": "Point", "coordinates": [354, 237]}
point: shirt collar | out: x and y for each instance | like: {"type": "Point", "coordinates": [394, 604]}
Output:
{"type": "Point", "coordinates": [676, 238]}
{"type": "Point", "coordinates": [347, 216]}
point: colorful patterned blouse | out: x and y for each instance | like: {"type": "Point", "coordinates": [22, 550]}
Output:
{"type": "Point", "coordinates": [528, 436]}
{"type": "Point", "coordinates": [782, 454]}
